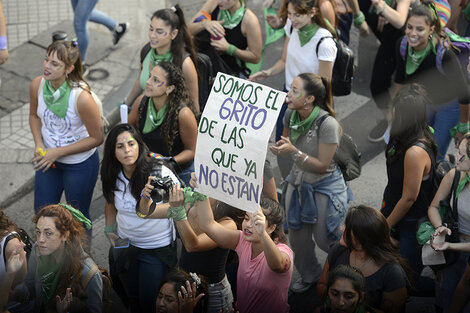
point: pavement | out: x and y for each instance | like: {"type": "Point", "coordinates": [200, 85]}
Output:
{"type": "Point", "coordinates": [114, 69]}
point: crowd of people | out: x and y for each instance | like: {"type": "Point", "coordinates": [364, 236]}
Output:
{"type": "Point", "coordinates": [231, 259]}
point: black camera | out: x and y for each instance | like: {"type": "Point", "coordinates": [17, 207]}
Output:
{"type": "Point", "coordinates": [161, 191]}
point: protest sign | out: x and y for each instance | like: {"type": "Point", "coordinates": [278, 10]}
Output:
{"type": "Point", "coordinates": [234, 131]}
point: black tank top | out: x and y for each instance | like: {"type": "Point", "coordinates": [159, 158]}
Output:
{"type": "Point", "coordinates": [156, 141]}
{"type": "Point", "coordinates": [235, 37]}
{"type": "Point", "coordinates": [393, 191]}
{"type": "Point", "coordinates": [210, 263]}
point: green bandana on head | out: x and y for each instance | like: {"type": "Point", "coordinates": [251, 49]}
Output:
{"type": "Point", "coordinates": [49, 274]}
{"type": "Point", "coordinates": [307, 32]}
{"type": "Point", "coordinates": [153, 118]}
{"type": "Point", "coordinates": [77, 215]}
{"type": "Point", "coordinates": [298, 127]}
{"type": "Point", "coordinates": [57, 101]}
{"type": "Point", "coordinates": [415, 58]}
{"type": "Point", "coordinates": [231, 21]}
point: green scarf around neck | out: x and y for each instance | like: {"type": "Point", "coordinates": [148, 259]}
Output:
{"type": "Point", "coordinates": [57, 101]}
{"type": "Point", "coordinates": [298, 127]}
{"type": "Point", "coordinates": [307, 32]}
{"type": "Point", "coordinates": [231, 21]}
{"type": "Point", "coordinates": [49, 274]}
{"type": "Point", "coordinates": [153, 118]}
{"type": "Point", "coordinates": [415, 58]}
{"type": "Point", "coordinates": [462, 185]}
{"type": "Point", "coordinates": [153, 59]}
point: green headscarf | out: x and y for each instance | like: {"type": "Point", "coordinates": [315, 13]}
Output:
{"type": "Point", "coordinates": [298, 127]}
{"type": "Point", "coordinates": [49, 274]}
{"type": "Point", "coordinates": [153, 118]}
{"type": "Point", "coordinates": [415, 58]}
{"type": "Point", "coordinates": [307, 32]}
{"type": "Point", "coordinates": [231, 21]}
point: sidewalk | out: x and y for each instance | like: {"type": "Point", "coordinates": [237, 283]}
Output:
{"type": "Point", "coordinates": [30, 24]}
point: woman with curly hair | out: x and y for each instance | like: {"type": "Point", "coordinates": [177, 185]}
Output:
{"type": "Point", "coordinates": [165, 119]}
{"type": "Point", "coordinates": [59, 262]}
{"type": "Point", "coordinates": [169, 40]}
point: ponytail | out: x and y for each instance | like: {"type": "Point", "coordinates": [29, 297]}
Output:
{"type": "Point", "coordinates": [320, 88]}
{"type": "Point", "coordinates": [174, 17]}
{"type": "Point", "coordinates": [68, 52]}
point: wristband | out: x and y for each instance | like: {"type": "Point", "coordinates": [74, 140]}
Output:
{"type": "Point", "coordinates": [142, 196]}
{"type": "Point", "coordinates": [112, 229]}
{"type": "Point", "coordinates": [296, 156]}
{"type": "Point", "coordinates": [231, 50]}
{"type": "Point", "coordinates": [178, 213]}
{"type": "Point", "coordinates": [359, 18]}
{"type": "Point", "coordinates": [379, 12]}
{"type": "Point", "coordinates": [3, 43]}
{"type": "Point", "coordinates": [459, 128]}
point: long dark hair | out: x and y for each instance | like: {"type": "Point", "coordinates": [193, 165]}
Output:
{"type": "Point", "coordinates": [68, 52]}
{"type": "Point", "coordinates": [305, 7]}
{"type": "Point", "coordinates": [110, 167]}
{"type": "Point", "coordinates": [320, 88]}
{"type": "Point", "coordinates": [370, 229]}
{"type": "Point", "coordinates": [353, 275]}
{"type": "Point", "coordinates": [274, 216]}
{"type": "Point", "coordinates": [174, 17]}
{"type": "Point", "coordinates": [176, 101]}
{"type": "Point", "coordinates": [74, 246]}
{"type": "Point", "coordinates": [410, 121]}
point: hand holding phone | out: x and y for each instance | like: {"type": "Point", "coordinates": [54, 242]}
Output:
{"type": "Point", "coordinates": [121, 243]}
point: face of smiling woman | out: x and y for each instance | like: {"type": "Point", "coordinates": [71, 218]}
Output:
{"type": "Point", "coordinates": [418, 31]}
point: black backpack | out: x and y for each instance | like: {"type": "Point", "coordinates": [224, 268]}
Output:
{"type": "Point", "coordinates": [204, 79]}
{"type": "Point", "coordinates": [343, 68]}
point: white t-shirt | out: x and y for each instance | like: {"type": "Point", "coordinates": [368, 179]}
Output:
{"type": "Point", "coordinates": [304, 59]}
{"type": "Point", "coordinates": [142, 233]}
{"type": "Point", "coordinates": [60, 132]}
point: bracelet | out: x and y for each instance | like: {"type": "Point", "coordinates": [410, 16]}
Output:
{"type": "Point", "coordinates": [142, 196]}
{"type": "Point", "coordinates": [359, 18]}
{"type": "Point", "coordinates": [231, 50]}
{"type": "Point", "coordinates": [305, 159]}
{"type": "Point", "coordinates": [3, 43]}
{"type": "Point", "coordinates": [379, 12]}
{"type": "Point", "coordinates": [112, 229]}
{"type": "Point", "coordinates": [296, 156]}
{"type": "Point", "coordinates": [459, 128]}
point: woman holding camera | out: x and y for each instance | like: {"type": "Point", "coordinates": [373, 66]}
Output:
{"type": "Point", "coordinates": [144, 249]}
{"type": "Point", "coordinates": [165, 118]}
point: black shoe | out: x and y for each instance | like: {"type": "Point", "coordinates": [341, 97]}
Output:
{"type": "Point", "coordinates": [377, 133]}
{"type": "Point", "coordinates": [119, 32]}
{"type": "Point", "coordinates": [85, 69]}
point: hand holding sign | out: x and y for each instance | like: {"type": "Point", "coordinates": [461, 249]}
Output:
{"type": "Point", "coordinates": [259, 221]}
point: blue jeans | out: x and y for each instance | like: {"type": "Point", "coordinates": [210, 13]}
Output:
{"type": "Point", "coordinates": [77, 180]}
{"type": "Point", "coordinates": [442, 118]}
{"type": "Point", "coordinates": [82, 13]}
{"type": "Point", "coordinates": [220, 296]}
{"type": "Point", "coordinates": [185, 174]}
{"type": "Point", "coordinates": [142, 280]}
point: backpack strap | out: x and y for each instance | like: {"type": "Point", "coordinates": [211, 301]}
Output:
{"type": "Point", "coordinates": [86, 280]}
{"type": "Point", "coordinates": [319, 42]}
{"type": "Point", "coordinates": [144, 51]}
{"type": "Point", "coordinates": [320, 121]}
{"type": "Point", "coordinates": [403, 47]}
{"type": "Point", "coordinates": [441, 50]}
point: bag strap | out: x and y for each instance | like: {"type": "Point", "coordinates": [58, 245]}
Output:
{"type": "Point", "coordinates": [144, 51]}
{"type": "Point", "coordinates": [455, 184]}
{"type": "Point", "coordinates": [319, 42]}
{"type": "Point", "coordinates": [86, 280]}
{"type": "Point", "coordinates": [320, 121]}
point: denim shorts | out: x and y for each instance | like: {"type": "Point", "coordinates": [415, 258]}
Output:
{"type": "Point", "coordinates": [220, 296]}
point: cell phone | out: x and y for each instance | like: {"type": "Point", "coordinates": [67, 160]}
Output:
{"type": "Point", "coordinates": [121, 243]}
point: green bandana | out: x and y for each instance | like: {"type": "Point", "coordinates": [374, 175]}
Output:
{"type": "Point", "coordinates": [307, 32]}
{"type": "Point", "coordinates": [154, 118]}
{"type": "Point", "coordinates": [77, 215]}
{"type": "Point", "coordinates": [57, 101]}
{"type": "Point", "coordinates": [231, 21]}
{"type": "Point", "coordinates": [49, 274]}
{"type": "Point", "coordinates": [415, 58]}
{"type": "Point", "coordinates": [150, 61]}
{"type": "Point", "coordinates": [298, 127]}
{"type": "Point", "coordinates": [462, 185]}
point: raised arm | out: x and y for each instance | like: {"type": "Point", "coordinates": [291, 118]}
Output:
{"type": "Point", "coordinates": [213, 27]}
{"type": "Point", "coordinates": [395, 17]}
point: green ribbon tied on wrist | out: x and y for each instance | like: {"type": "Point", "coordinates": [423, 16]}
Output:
{"type": "Point", "coordinates": [359, 18]}
{"type": "Point", "coordinates": [179, 213]}
{"type": "Point", "coordinates": [459, 128]}
{"type": "Point", "coordinates": [112, 229]}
